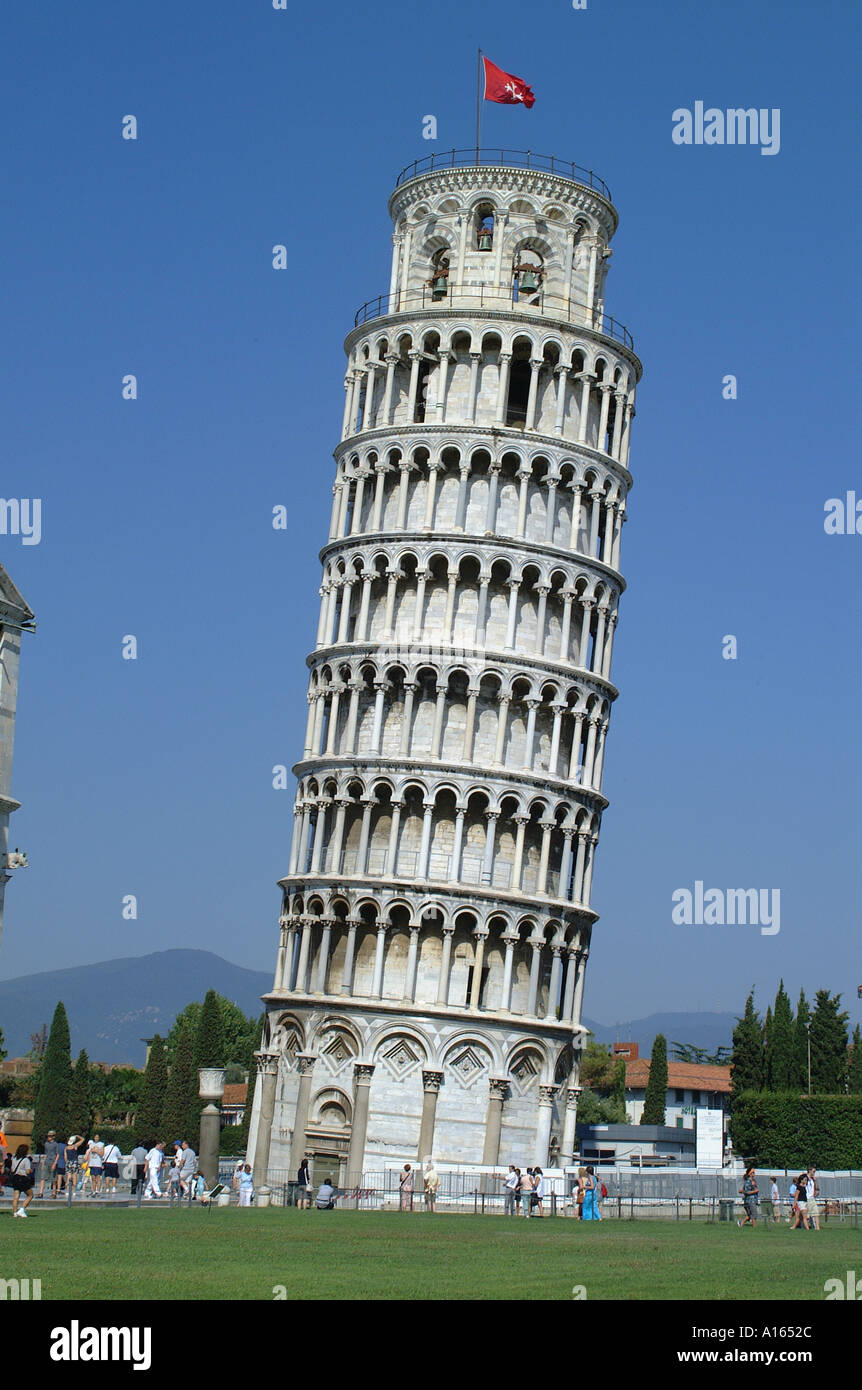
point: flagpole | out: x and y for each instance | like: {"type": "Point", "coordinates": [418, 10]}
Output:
{"type": "Point", "coordinates": [478, 101]}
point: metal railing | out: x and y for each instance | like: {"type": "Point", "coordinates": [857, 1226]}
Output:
{"type": "Point", "coordinates": [494, 157]}
{"type": "Point", "coordinates": [472, 297]}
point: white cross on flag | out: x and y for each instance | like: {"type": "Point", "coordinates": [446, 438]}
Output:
{"type": "Point", "coordinates": [503, 87]}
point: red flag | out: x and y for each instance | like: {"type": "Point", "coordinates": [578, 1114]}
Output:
{"type": "Point", "coordinates": [502, 86]}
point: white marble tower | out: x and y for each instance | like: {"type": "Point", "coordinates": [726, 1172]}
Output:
{"type": "Point", "coordinates": [436, 912]}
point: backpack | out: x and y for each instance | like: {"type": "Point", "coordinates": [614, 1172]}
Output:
{"type": "Point", "coordinates": [604, 1190]}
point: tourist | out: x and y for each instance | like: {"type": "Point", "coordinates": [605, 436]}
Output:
{"type": "Point", "coordinates": [21, 1179]}
{"type": "Point", "coordinates": [237, 1174]}
{"type": "Point", "coordinates": [49, 1164]}
{"type": "Point", "coordinates": [95, 1161]}
{"type": "Point", "coordinates": [406, 1185]}
{"type": "Point", "coordinates": [432, 1183]}
{"type": "Point", "coordinates": [590, 1210]}
{"type": "Point", "coordinates": [536, 1205]}
{"type": "Point", "coordinates": [526, 1191]}
{"type": "Point", "coordinates": [155, 1160]}
{"type": "Point", "coordinates": [188, 1168]}
{"type": "Point", "coordinates": [579, 1191]}
{"type": "Point", "coordinates": [246, 1186]}
{"type": "Point", "coordinates": [58, 1180]}
{"type": "Point", "coordinates": [72, 1155]}
{"type": "Point", "coordinates": [111, 1160]}
{"type": "Point", "coordinates": [174, 1190]}
{"type": "Point", "coordinates": [774, 1202]}
{"type": "Point", "coordinates": [750, 1198]}
{"type": "Point", "coordinates": [812, 1192]}
{"type": "Point", "coordinates": [792, 1194]}
{"type": "Point", "coordinates": [511, 1184]}
{"type": "Point", "coordinates": [139, 1160]}
{"type": "Point", "coordinates": [303, 1186]}
{"type": "Point", "coordinates": [801, 1203]}
{"type": "Point", "coordinates": [325, 1199]}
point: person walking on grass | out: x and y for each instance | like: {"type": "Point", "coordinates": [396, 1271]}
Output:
{"type": "Point", "coordinates": [537, 1204]}
{"type": "Point", "coordinates": [774, 1202]}
{"type": "Point", "coordinates": [405, 1183]}
{"type": "Point", "coordinates": [750, 1198]}
{"type": "Point", "coordinates": [22, 1180]}
{"type": "Point", "coordinates": [812, 1192]}
{"type": "Point", "coordinates": [139, 1162]}
{"type": "Point", "coordinates": [95, 1162]}
{"type": "Point", "coordinates": [801, 1203]}
{"type": "Point", "coordinates": [432, 1183]}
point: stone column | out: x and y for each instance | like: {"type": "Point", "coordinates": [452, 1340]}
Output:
{"type": "Point", "coordinates": [323, 957]}
{"type": "Point", "coordinates": [568, 1144]}
{"type": "Point", "coordinates": [524, 474]}
{"type": "Point", "coordinates": [301, 985]}
{"type": "Point", "coordinates": [514, 586]}
{"type": "Point", "coordinates": [502, 388]}
{"type": "Point", "coordinates": [305, 1066]}
{"type": "Point", "coordinates": [586, 380]}
{"type": "Point", "coordinates": [415, 357]}
{"type": "Point", "coordinates": [267, 1076]}
{"type": "Point", "coordinates": [407, 717]}
{"type": "Point", "coordinates": [535, 368]}
{"type": "Point", "coordinates": [543, 1124]}
{"type": "Point", "coordinates": [473, 390]}
{"type": "Point", "coordinates": [576, 516]}
{"type": "Point", "coordinates": [494, 1119]}
{"type": "Point", "coordinates": [430, 496]}
{"type": "Point", "coordinates": [412, 964]}
{"type": "Point", "coordinates": [502, 719]}
{"type": "Point", "coordinates": [379, 960]}
{"type": "Point", "coordinates": [362, 1074]}
{"type": "Point", "coordinates": [431, 1080]}
{"type": "Point", "coordinates": [443, 982]}
{"type": "Point", "coordinates": [551, 512]}
{"type": "Point", "coordinates": [455, 858]}
{"type": "Point", "coordinates": [554, 986]}
{"type": "Point", "coordinates": [491, 507]}
{"type": "Point", "coordinates": [536, 944]}
{"type": "Point", "coordinates": [511, 943]}
{"type": "Point", "coordinates": [476, 987]}
{"type": "Point", "coordinates": [349, 955]}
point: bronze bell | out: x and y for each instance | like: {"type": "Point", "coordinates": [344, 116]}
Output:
{"type": "Point", "coordinates": [486, 237]}
{"type": "Point", "coordinates": [528, 283]}
{"type": "Point", "coordinates": [439, 287]}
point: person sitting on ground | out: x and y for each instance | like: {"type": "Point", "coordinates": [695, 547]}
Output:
{"type": "Point", "coordinates": [325, 1199]}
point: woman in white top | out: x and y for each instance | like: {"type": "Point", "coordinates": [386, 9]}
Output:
{"type": "Point", "coordinates": [95, 1160]}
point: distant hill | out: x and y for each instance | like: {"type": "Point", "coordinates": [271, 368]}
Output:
{"type": "Point", "coordinates": [116, 1003]}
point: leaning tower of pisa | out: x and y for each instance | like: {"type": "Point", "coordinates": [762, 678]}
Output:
{"type": "Point", "coordinates": [436, 917]}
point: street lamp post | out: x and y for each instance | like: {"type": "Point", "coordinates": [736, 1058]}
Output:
{"type": "Point", "coordinates": [210, 1089]}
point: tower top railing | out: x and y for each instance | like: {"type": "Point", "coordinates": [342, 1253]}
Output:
{"type": "Point", "coordinates": [473, 297]}
{"type": "Point", "coordinates": [516, 159]}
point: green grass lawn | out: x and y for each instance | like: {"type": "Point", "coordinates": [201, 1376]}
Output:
{"type": "Point", "coordinates": [231, 1253]}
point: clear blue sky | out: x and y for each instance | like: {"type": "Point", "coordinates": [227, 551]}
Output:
{"type": "Point", "coordinates": [154, 257]}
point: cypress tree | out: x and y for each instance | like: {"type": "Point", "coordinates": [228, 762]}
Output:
{"type": "Point", "coordinates": [746, 1066]}
{"type": "Point", "coordinates": [55, 1082]}
{"type": "Point", "coordinates": [854, 1067]}
{"type": "Point", "coordinates": [780, 1074]}
{"type": "Point", "coordinates": [828, 1045]}
{"type": "Point", "coordinates": [209, 1042]}
{"type": "Point", "coordinates": [175, 1115]}
{"type": "Point", "coordinates": [656, 1088]}
{"type": "Point", "coordinates": [81, 1097]}
{"type": "Point", "coordinates": [800, 1044]}
{"type": "Point", "coordinates": [767, 1046]}
{"type": "Point", "coordinates": [149, 1112]}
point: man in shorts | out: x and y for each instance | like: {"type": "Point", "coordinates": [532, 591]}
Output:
{"type": "Point", "coordinates": [111, 1159]}
{"type": "Point", "coordinates": [49, 1162]}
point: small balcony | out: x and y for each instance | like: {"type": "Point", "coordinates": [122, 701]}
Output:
{"type": "Point", "coordinates": [506, 159]}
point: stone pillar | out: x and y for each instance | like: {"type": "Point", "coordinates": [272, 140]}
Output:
{"type": "Point", "coordinates": [267, 1076]}
{"type": "Point", "coordinates": [323, 957]}
{"type": "Point", "coordinates": [362, 1074]}
{"type": "Point", "coordinates": [494, 1119]}
{"type": "Point", "coordinates": [502, 388]}
{"type": "Point", "coordinates": [431, 1080]}
{"type": "Point", "coordinates": [412, 964]}
{"type": "Point", "coordinates": [379, 960]}
{"type": "Point", "coordinates": [301, 985]}
{"type": "Point", "coordinates": [305, 1066]}
{"type": "Point", "coordinates": [543, 1124]}
{"type": "Point", "coordinates": [568, 1144]}
{"type": "Point", "coordinates": [349, 956]}
{"type": "Point", "coordinates": [535, 368]}
{"type": "Point", "coordinates": [506, 999]}
{"type": "Point", "coordinates": [478, 959]}
{"type": "Point", "coordinates": [443, 982]}
{"type": "Point", "coordinates": [536, 944]}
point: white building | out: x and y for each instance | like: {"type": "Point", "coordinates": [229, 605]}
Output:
{"type": "Point", "coordinates": [15, 618]}
{"type": "Point", "coordinates": [436, 914]}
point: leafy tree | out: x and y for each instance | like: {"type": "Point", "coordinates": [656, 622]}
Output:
{"type": "Point", "coordinates": [55, 1082]}
{"type": "Point", "coordinates": [854, 1067]}
{"type": "Point", "coordinates": [779, 1071]}
{"type": "Point", "coordinates": [618, 1085]}
{"type": "Point", "coordinates": [210, 1039]}
{"type": "Point", "coordinates": [800, 1043]}
{"type": "Point", "coordinates": [656, 1087]}
{"type": "Point", "coordinates": [81, 1097]}
{"type": "Point", "coordinates": [149, 1112]}
{"type": "Point", "coordinates": [746, 1067]}
{"type": "Point", "coordinates": [38, 1043]}
{"type": "Point", "coordinates": [597, 1066]}
{"type": "Point", "coordinates": [182, 1086]}
{"type": "Point", "coordinates": [767, 1043]}
{"type": "Point", "coordinates": [2, 1046]}
{"type": "Point", "coordinates": [687, 1052]}
{"type": "Point", "coordinates": [599, 1110]}
{"type": "Point", "coordinates": [828, 1045]}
